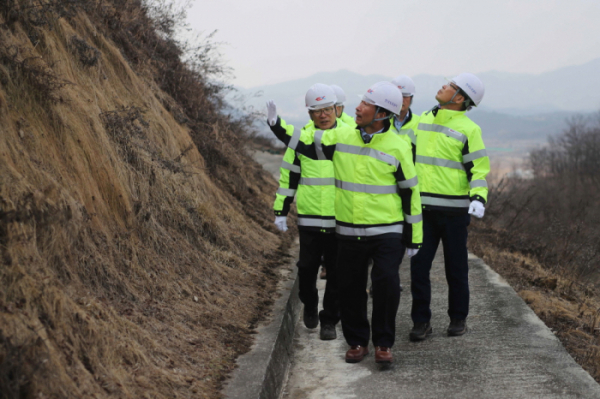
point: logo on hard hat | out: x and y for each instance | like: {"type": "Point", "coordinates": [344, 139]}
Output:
{"type": "Point", "coordinates": [370, 91]}
{"type": "Point", "coordinates": [401, 87]}
{"type": "Point", "coordinates": [391, 102]}
{"type": "Point", "coordinates": [320, 98]}
{"type": "Point", "coordinates": [472, 89]}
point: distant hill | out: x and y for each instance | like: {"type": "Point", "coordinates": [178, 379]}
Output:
{"type": "Point", "coordinates": [573, 88]}
{"type": "Point", "coordinates": [516, 106]}
{"type": "Point", "coordinates": [519, 130]}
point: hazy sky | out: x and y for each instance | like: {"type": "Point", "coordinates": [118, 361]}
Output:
{"type": "Point", "coordinates": [271, 41]}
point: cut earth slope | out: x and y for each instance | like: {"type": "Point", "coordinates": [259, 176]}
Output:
{"type": "Point", "coordinates": [136, 245]}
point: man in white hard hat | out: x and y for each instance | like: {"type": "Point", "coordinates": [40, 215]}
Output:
{"type": "Point", "coordinates": [377, 215]}
{"type": "Point", "coordinates": [339, 106]}
{"type": "Point", "coordinates": [406, 122]}
{"type": "Point", "coordinates": [345, 118]}
{"type": "Point", "coordinates": [312, 183]}
{"type": "Point", "coordinates": [452, 165]}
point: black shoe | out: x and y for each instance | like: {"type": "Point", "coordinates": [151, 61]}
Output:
{"type": "Point", "coordinates": [327, 332]}
{"type": "Point", "coordinates": [311, 317]}
{"type": "Point", "coordinates": [457, 327]}
{"type": "Point", "coordinates": [420, 331]}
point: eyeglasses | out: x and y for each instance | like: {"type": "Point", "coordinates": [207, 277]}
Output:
{"type": "Point", "coordinates": [326, 111]}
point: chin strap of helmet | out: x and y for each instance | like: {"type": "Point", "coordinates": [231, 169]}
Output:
{"type": "Point", "coordinates": [377, 110]}
{"type": "Point", "coordinates": [467, 103]}
{"type": "Point", "coordinates": [451, 101]}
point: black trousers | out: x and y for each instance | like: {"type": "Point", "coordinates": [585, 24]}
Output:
{"type": "Point", "coordinates": [451, 229]}
{"type": "Point", "coordinates": [313, 245]}
{"type": "Point", "coordinates": [353, 259]}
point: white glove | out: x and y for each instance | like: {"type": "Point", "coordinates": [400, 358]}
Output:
{"type": "Point", "coordinates": [281, 223]}
{"type": "Point", "coordinates": [476, 209]}
{"type": "Point", "coordinates": [271, 113]}
{"type": "Point", "coordinates": [410, 252]}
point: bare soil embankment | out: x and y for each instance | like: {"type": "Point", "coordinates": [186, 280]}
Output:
{"type": "Point", "coordinates": [137, 250]}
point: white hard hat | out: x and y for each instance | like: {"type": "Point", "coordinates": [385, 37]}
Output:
{"type": "Point", "coordinates": [320, 96]}
{"type": "Point", "coordinates": [406, 85]}
{"type": "Point", "coordinates": [385, 95]}
{"type": "Point", "coordinates": [471, 85]}
{"type": "Point", "coordinates": [339, 93]}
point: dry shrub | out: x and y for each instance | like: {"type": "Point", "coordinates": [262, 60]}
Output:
{"type": "Point", "coordinates": [88, 55]}
{"type": "Point", "coordinates": [124, 125]}
{"type": "Point", "coordinates": [136, 241]}
{"type": "Point", "coordinates": [554, 217]}
{"type": "Point", "coordinates": [16, 365]}
{"type": "Point", "coordinates": [29, 73]}
{"type": "Point", "coordinates": [542, 236]}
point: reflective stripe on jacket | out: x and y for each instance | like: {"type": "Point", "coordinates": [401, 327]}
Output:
{"type": "Point", "coordinates": [407, 131]}
{"type": "Point", "coordinates": [311, 181]}
{"type": "Point", "coordinates": [377, 190]}
{"type": "Point", "coordinates": [451, 160]}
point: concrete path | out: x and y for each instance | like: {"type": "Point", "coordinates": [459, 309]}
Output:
{"type": "Point", "coordinates": [270, 162]}
{"type": "Point", "coordinates": [508, 353]}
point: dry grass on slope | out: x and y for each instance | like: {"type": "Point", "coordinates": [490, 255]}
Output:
{"type": "Point", "coordinates": [130, 265]}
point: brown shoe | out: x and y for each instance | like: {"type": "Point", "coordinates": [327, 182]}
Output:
{"type": "Point", "coordinates": [323, 275]}
{"type": "Point", "coordinates": [383, 354]}
{"type": "Point", "coordinates": [356, 353]}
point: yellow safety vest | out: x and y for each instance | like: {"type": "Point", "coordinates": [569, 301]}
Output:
{"type": "Point", "coordinates": [311, 182]}
{"type": "Point", "coordinates": [377, 191]}
{"type": "Point", "coordinates": [451, 160]}
{"type": "Point", "coordinates": [407, 131]}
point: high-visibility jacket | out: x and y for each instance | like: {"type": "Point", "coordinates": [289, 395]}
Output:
{"type": "Point", "coordinates": [407, 130]}
{"type": "Point", "coordinates": [347, 119]}
{"type": "Point", "coordinates": [311, 181]}
{"type": "Point", "coordinates": [377, 192]}
{"type": "Point", "coordinates": [451, 161]}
